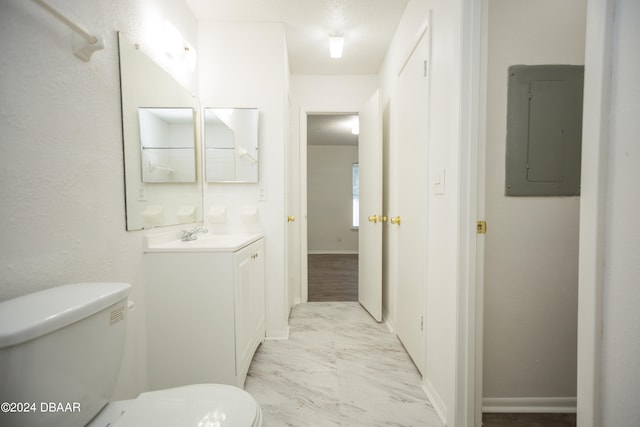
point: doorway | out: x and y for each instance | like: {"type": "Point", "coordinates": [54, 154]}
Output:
{"type": "Point", "coordinates": [332, 203]}
{"type": "Point", "coordinates": [531, 247]}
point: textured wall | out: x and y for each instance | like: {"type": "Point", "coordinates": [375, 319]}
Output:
{"type": "Point", "coordinates": [61, 168]}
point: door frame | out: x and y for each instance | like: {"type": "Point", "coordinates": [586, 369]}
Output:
{"type": "Point", "coordinates": [304, 237]}
{"type": "Point", "coordinates": [595, 141]}
{"type": "Point", "coordinates": [592, 206]}
{"type": "Point", "coordinates": [468, 394]}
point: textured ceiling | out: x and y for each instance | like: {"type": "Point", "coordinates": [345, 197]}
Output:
{"type": "Point", "coordinates": [367, 27]}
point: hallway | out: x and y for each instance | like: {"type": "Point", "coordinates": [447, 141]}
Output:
{"type": "Point", "coordinates": [338, 368]}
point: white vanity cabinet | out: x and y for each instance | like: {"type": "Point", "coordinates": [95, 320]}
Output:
{"type": "Point", "coordinates": [249, 304]}
{"type": "Point", "coordinates": [205, 314]}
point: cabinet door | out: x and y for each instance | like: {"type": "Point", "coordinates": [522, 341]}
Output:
{"type": "Point", "coordinates": [257, 274]}
{"type": "Point", "coordinates": [243, 305]}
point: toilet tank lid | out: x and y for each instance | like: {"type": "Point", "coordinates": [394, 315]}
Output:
{"type": "Point", "coordinates": [34, 315]}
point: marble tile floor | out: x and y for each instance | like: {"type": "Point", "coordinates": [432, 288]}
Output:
{"type": "Point", "coordinates": [339, 367]}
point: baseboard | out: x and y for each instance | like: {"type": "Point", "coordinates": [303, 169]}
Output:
{"type": "Point", "coordinates": [386, 319]}
{"type": "Point", "coordinates": [278, 336]}
{"type": "Point", "coordinates": [553, 405]}
{"type": "Point", "coordinates": [348, 252]}
{"type": "Point", "coordinates": [436, 401]}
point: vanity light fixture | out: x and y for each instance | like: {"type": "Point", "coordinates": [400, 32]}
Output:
{"type": "Point", "coordinates": [177, 48]}
{"type": "Point", "coordinates": [172, 40]}
{"type": "Point", "coordinates": [190, 57]}
{"type": "Point", "coordinates": [336, 43]}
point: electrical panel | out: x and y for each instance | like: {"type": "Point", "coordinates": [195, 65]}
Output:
{"type": "Point", "coordinates": [544, 130]}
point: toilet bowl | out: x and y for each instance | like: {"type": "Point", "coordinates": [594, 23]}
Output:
{"type": "Point", "coordinates": [216, 405]}
{"type": "Point", "coordinates": [64, 346]}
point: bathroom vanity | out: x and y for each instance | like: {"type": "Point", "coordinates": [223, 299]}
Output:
{"type": "Point", "coordinates": [205, 308]}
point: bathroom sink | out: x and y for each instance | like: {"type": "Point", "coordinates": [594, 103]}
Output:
{"type": "Point", "coordinates": [206, 242]}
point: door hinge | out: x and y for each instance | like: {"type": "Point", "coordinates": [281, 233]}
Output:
{"type": "Point", "coordinates": [422, 323]}
{"type": "Point", "coordinates": [481, 227]}
{"type": "Point", "coordinates": [425, 68]}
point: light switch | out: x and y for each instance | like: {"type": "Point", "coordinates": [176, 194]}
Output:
{"type": "Point", "coordinates": [437, 181]}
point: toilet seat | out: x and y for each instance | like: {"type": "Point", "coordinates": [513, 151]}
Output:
{"type": "Point", "coordinates": [193, 405]}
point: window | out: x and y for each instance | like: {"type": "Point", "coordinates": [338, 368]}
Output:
{"type": "Point", "coordinates": [355, 196]}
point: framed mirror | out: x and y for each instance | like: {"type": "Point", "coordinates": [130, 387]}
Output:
{"type": "Point", "coordinates": [160, 122]}
{"type": "Point", "coordinates": [231, 144]}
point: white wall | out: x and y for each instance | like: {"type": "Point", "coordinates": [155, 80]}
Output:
{"type": "Point", "coordinates": [531, 264]}
{"type": "Point", "coordinates": [234, 73]}
{"type": "Point", "coordinates": [444, 133]}
{"type": "Point", "coordinates": [61, 167]}
{"type": "Point", "coordinates": [329, 199]}
{"type": "Point", "coordinates": [331, 93]}
{"type": "Point", "coordinates": [621, 297]}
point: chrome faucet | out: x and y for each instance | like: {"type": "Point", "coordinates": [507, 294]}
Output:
{"type": "Point", "coordinates": [188, 235]}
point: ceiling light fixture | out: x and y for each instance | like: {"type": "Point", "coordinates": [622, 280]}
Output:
{"type": "Point", "coordinates": [336, 43]}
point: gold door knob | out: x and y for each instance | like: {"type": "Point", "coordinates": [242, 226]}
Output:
{"type": "Point", "coordinates": [395, 220]}
{"type": "Point", "coordinates": [374, 218]}
{"type": "Point", "coordinates": [385, 218]}
{"type": "Point", "coordinates": [291, 218]}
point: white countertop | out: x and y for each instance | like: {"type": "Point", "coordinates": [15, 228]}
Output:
{"type": "Point", "coordinates": [206, 242]}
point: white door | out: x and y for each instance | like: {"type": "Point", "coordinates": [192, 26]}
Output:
{"type": "Point", "coordinates": [370, 231]}
{"type": "Point", "coordinates": [412, 201]}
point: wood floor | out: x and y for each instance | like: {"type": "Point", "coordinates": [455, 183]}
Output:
{"type": "Point", "coordinates": [528, 420]}
{"type": "Point", "coordinates": [333, 277]}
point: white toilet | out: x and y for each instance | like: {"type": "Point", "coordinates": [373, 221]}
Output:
{"type": "Point", "coordinates": [60, 354]}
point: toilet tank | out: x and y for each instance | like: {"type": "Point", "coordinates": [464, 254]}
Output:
{"type": "Point", "coordinates": [60, 353]}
